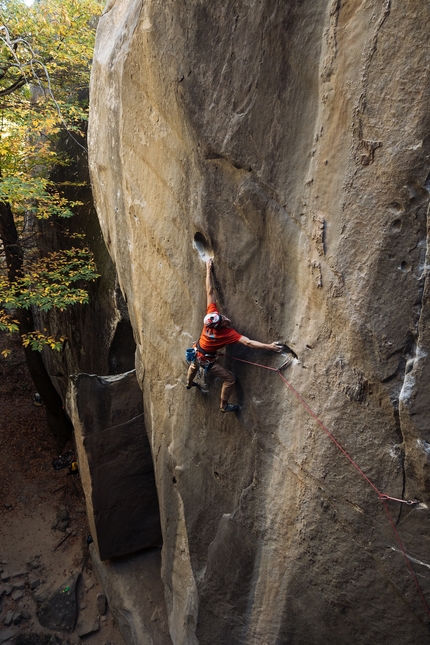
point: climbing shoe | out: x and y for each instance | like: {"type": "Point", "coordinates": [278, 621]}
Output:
{"type": "Point", "coordinates": [231, 407]}
{"type": "Point", "coordinates": [192, 385]}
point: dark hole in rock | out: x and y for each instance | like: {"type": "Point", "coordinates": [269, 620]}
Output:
{"type": "Point", "coordinates": [396, 226]}
{"type": "Point", "coordinates": [122, 349]}
{"type": "Point", "coordinates": [203, 247]}
{"type": "Point", "coordinates": [396, 207]}
{"type": "Point", "coordinates": [405, 266]}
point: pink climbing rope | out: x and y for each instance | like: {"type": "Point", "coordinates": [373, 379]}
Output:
{"type": "Point", "coordinates": [382, 496]}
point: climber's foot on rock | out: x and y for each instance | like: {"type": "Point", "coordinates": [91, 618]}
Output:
{"type": "Point", "coordinates": [193, 385]}
{"type": "Point", "coordinates": [230, 407]}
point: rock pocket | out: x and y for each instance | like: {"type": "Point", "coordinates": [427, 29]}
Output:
{"type": "Point", "coordinates": [203, 247]}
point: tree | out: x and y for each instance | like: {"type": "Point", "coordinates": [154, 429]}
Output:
{"type": "Point", "coordinates": [45, 60]}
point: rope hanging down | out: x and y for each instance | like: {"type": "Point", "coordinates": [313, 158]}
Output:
{"type": "Point", "coordinates": [382, 496]}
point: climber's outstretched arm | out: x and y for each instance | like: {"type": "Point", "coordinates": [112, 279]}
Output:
{"type": "Point", "coordinates": [255, 344]}
{"type": "Point", "coordinates": [210, 294]}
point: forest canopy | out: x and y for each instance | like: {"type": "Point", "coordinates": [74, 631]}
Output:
{"type": "Point", "coordinates": [46, 52]}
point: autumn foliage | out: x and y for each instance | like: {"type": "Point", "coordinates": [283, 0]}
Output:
{"type": "Point", "coordinates": [45, 60]}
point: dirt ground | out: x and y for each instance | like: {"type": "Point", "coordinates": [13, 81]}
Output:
{"type": "Point", "coordinates": [36, 559]}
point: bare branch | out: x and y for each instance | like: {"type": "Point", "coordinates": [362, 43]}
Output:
{"type": "Point", "coordinates": [15, 86]}
{"type": "Point", "coordinates": [33, 63]}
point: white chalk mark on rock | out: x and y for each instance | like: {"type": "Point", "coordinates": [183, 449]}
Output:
{"type": "Point", "coordinates": [415, 560]}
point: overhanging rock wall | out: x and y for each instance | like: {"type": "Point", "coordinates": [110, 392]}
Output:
{"type": "Point", "coordinates": [291, 141]}
{"type": "Point", "coordinates": [115, 463]}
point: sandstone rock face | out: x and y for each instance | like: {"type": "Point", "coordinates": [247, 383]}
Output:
{"type": "Point", "coordinates": [115, 463]}
{"type": "Point", "coordinates": [290, 141]}
{"type": "Point", "coordinates": [136, 598]}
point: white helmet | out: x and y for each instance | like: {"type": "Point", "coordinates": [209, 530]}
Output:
{"type": "Point", "coordinates": [212, 320]}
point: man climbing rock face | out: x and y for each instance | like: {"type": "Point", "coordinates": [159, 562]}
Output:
{"type": "Point", "coordinates": [215, 335]}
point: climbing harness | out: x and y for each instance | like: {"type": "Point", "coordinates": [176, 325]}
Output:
{"type": "Point", "coordinates": [382, 496]}
{"type": "Point", "coordinates": [204, 360]}
{"type": "Point", "coordinates": [196, 354]}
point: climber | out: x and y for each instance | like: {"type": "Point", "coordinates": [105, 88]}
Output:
{"type": "Point", "coordinates": [216, 334]}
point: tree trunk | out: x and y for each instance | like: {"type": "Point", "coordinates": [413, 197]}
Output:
{"type": "Point", "coordinates": [57, 418]}
{"type": "Point", "coordinates": [11, 244]}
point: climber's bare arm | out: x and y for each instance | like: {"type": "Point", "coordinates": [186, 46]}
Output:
{"type": "Point", "coordinates": [210, 294]}
{"type": "Point", "coordinates": [255, 344]}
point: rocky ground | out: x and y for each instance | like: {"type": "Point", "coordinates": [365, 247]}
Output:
{"type": "Point", "coordinates": [48, 590]}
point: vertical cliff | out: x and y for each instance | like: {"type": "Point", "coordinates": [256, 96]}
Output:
{"type": "Point", "coordinates": [289, 139]}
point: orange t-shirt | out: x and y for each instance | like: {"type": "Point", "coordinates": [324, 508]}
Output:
{"type": "Point", "coordinates": [211, 340]}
